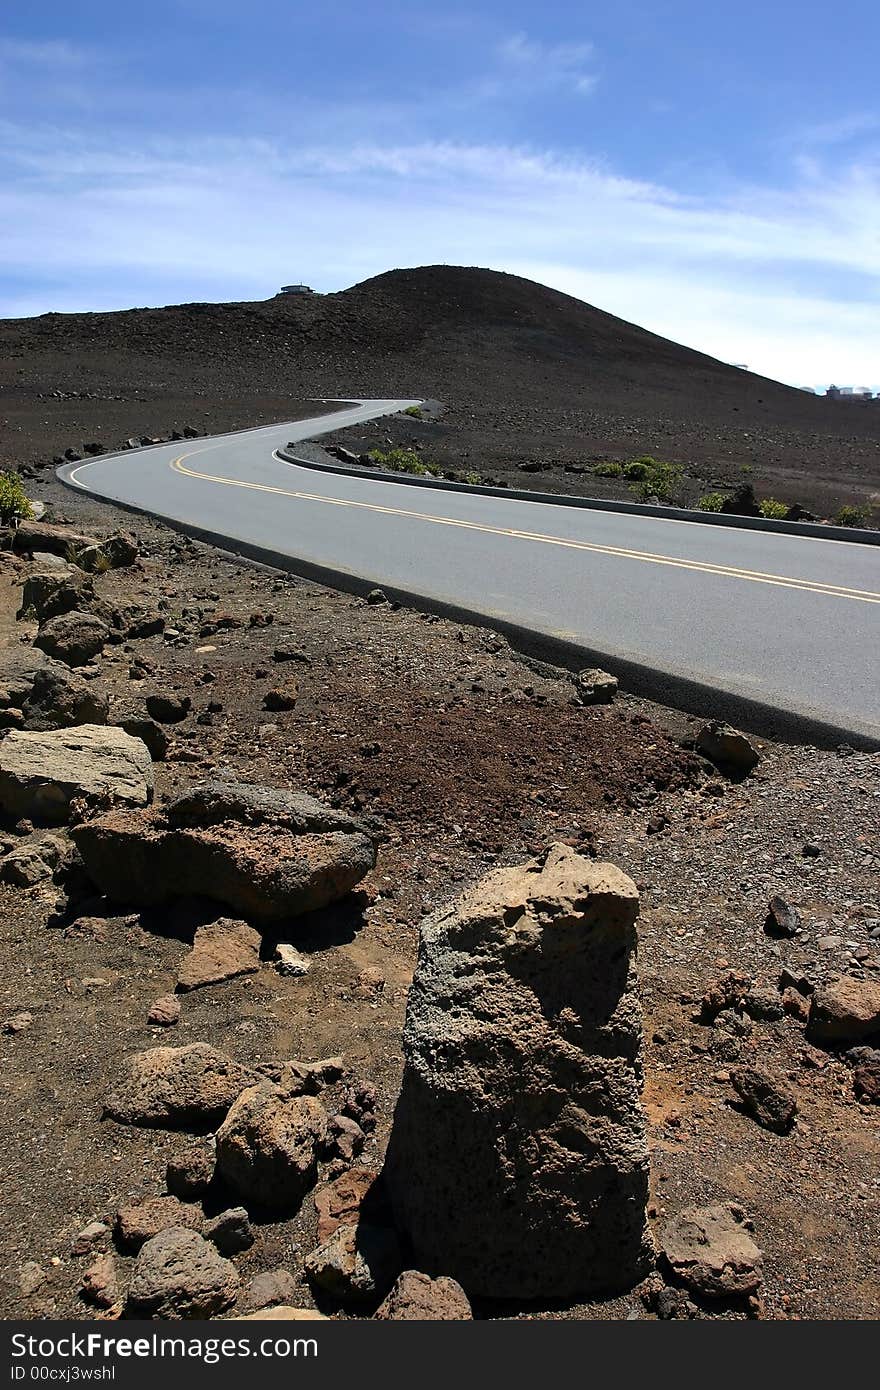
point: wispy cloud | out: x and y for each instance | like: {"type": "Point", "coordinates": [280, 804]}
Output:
{"type": "Point", "coordinates": [568, 64]}
{"type": "Point", "coordinates": [159, 220]}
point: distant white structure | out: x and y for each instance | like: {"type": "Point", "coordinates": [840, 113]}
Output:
{"type": "Point", "coordinates": [296, 289]}
{"type": "Point", "coordinates": [851, 393]}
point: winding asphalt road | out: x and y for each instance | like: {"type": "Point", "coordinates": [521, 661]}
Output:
{"type": "Point", "coordinates": [780, 630]}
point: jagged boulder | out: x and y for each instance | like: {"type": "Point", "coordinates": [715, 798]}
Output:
{"type": "Point", "coordinates": [268, 1144]}
{"type": "Point", "coordinates": [179, 1274]}
{"type": "Point", "coordinates": [42, 773]}
{"type": "Point", "coordinates": [518, 1161]}
{"type": "Point", "coordinates": [51, 592]}
{"type": "Point", "coordinates": [177, 1088]}
{"type": "Point", "coordinates": [73, 638]}
{"type": "Point", "coordinates": [266, 854]}
{"type": "Point", "coordinates": [60, 699]}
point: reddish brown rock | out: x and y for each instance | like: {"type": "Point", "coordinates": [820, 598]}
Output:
{"type": "Point", "coordinates": [222, 950]}
{"type": "Point", "coordinates": [416, 1298]}
{"type": "Point", "coordinates": [846, 1010]}
{"type": "Point", "coordinates": [140, 1221]}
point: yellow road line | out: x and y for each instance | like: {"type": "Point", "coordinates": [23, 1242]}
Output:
{"type": "Point", "coordinates": [647, 557]}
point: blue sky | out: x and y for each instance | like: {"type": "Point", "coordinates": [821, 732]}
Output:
{"type": "Point", "coordinates": [710, 171]}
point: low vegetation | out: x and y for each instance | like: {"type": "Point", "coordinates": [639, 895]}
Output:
{"type": "Point", "coordinates": [404, 461]}
{"type": "Point", "coordinates": [853, 516]}
{"type": "Point", "coordinates": [650, 477]}
{"type": "Point", "coordinates": [711, 502]}
{"type": "Point", "coordinates": [415, 411]}
{"type": "Point", "coordinates": [773, 509]}
{"type": "Point", "coordinates": [14, 504]}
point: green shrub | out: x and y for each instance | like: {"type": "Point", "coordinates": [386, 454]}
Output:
{"type": "Point", "coordinates": [415, 411]}
{"type": "Point", "coordinates": [853, 516]}
{"type": "Point", "coordinates": [638, 469]}
{"type": "Point", "coordinates": [14, 505]}
{"type": "Point", "coordinates": [471, 478]}
{"type": "Point", "coordinates": [772, 509]}
{"type": "Point", "coordinates": [653, 478]}
{"type": "Point", "coordinates": [711, 502]}
{"type": "Point", "coordinates": [607, 470]}
{"type": "Point", "coordinates": [404, 461]}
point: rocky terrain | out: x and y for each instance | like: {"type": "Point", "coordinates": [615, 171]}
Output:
{"type": "Point", "coordinates": [284, 872]}
{"type": "Point", "coordinates": [537, 387]}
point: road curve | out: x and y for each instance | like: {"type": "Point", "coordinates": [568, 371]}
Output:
{"type": "Point", "coordinates": [779, 627]}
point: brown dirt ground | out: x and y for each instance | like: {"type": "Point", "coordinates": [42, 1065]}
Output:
{"type": "Point", "coordinates": [473, 757]}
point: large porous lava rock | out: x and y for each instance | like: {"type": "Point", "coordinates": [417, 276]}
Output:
{"type": "Point", "coordinates": [267, 1147]}
{"type": "Point", "coordinates": [518, 1161]}
{"type": "Point", "coordinates": [266, 854]}
{"type": "Point", "coordinates": [177, 1088]}
{"type": "Point", "coordinates": [42, 773]}
{"type": "Point", "coordinates": [59, 699]}
{"type": "Point", "coordinates": [73, 638]}
{"type": "Point", "coordinates": [179, 1274]}
{"type": "Point", "coordinates": [52, 592]}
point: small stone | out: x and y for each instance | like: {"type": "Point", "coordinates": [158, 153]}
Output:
{"type": "Point", "coordinates": [94, 1234]}
{"type": "Point", "coordinates": [289, 961]}
{"type": "Point", "coordinates": [866, 1079]}
{"type": "Point", "coordinates": [357, 1263]}
{"type": "Point", "coordinates": [711, 1251]}
{"type": "Point", "coordinates": [168, 709]}
{"type": "Point", "coordinates": [18, 1023]}
{"type": "Point", "coordinates": [595, 687]}
{"type": "Point", "coordinates": [417, 1298]}
{"type": "Point", "coordinates": [177, 1087]}
{"type": "Point", "coordinates": [230, 1231]}
{"type": "Point", "coordinates": [140, 1221]}
{"type": "Point", "coordinates": [30, 1278]}
{"type": "Point", "coordinates": [377, 596]}
{"type": "Point", "coordinates": [222, 950]}
{"type": "Point", "coordinates": [267, 1145]}
{"type": "Point", "coordinates": [164, 1011]}
{"type": "Point", "coordinates": [729, 750]}
{"type": "Point", "coordinates": [281, 697]}
{"type": "Point", "coordinates": [276, 1286]}
{"type": "Point", "coordinates": [189, 1175]}
{"type": "Point", "coordinates": [782, 918]}
{"type": "Point", "coordinates": [339, 1203]}
{"type": "Point", "coordinates": [795, 1005]}
{"type": "Point", "coordinates": [846, 1010]}
{"type": "Point", "coordinates": [811, 850]}
{"type": "Point", "coordinates": [768, 1102]}
{"type": "Point", "coordinates": [100, 1284]}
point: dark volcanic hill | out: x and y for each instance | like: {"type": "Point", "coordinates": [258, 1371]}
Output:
{"type": "Point", "coordinates": [524, 370]}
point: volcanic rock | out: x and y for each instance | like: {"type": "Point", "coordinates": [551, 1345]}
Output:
{"type": "Point", "coordinates": [230, 1231]}
{"type": "Point", "coordinates": [711, 1251]}
{"type": "Point", "coordinates": [264, 853]}
{"type": "Point", "coordinates": [727, 748]}
{"type": "Point", "coordinates": [73, 638]}
{"type": "Point", "coordinates": [164, 1012]}
{"type": "Point", "coordinates": [518, 1161]}
{"type": "Point", "coordinates": [356, 1264]}
{"type": "Point", "coordinates": [177, 1088]}
{"type": "Point", "coordinates": [59, 699]}
{"type": "Point", "coordinates": [267, 1145]}
{"type": "Point", "coordinates": [595, 687]}
{"type": "Point", "coordinates": [140, 1221]}
{"type": "Point", "coordinates": [764, 1098]}
{"type": "Point", "coordinates": [782, 918]}
{"type": "Point", "coordinates": [53, 592]}
{"type": "Point", "coordinates": [222, 950]}
{"type": "Point", "coordinates": [416, 1298]}
{"type": "Point", "coordinates": [179, 1274]}
{"type": "Point", "coordinates": [844, 1011]}
{"type": "Point", "coordinates": [41, 773]}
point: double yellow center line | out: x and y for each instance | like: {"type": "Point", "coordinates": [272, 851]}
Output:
{"type": "Point", "coordinates": [540, 538]}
